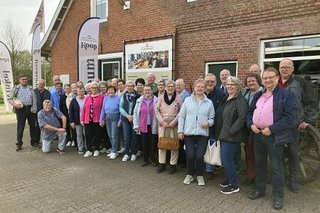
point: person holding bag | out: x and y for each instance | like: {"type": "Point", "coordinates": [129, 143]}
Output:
{"type": "Point", "coordinates": [167, 110]}
{"type": "Point", "coordinates": [229, 129]}
{"type": "Point", "coordinates": [195, 118]}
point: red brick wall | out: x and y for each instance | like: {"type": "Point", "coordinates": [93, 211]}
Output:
{"type": "Point", "coordinates": [206, 30]}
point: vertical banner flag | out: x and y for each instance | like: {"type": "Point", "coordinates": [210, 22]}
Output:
{"type": "Point", "coordinates": [36, 56]}
{"type": "Point", "coordinates": [39, 19]}
{"type": "Point", "coordinates": [88, 42]}
{"type": "Point", "coordinates": [6, 74]}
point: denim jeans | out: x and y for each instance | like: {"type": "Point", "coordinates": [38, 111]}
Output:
{"type": "Point", "coordinates": [195, 149]}
{"type": "Point", "coordinates": [46, 145]}
{"type": "Point", "coordinates": [80, 137]}
{"type": "Point", "coordinates": [228, 157]}
{"type": "Point", "coordinates": [129, 137]}
{"type": "Point", "coordinates": [113, 132]}
{"type": "Point", "coordinates": [265, 146]}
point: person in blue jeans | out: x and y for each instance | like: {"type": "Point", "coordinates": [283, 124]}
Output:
{"type": "Point", "coordinates": [195, 118]}
{"type": "Point", "coordinates": [127, 103]}
{"type": "Point", "coordinates": [110, 116]}
{"type": "Point", "coordinates": [230, 129]}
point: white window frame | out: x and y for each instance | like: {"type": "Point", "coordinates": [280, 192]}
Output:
{"type": "Point", "coordinates": [262, 58]}
{"type": "Point", "coordinates": [221, 62]}
{"type": "Point", "coordinates": [110, 62]}
{"type": "Point", "coordinates": [93, 11]}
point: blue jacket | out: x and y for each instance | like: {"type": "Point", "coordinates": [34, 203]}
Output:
{"type": "Point", "coordinates": [193, 113]}
{"type": "Point", "coordinates": [285, 113]}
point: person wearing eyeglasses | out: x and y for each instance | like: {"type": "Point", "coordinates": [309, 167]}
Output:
{"type": "Point", "coordinates": [230, 130]}
{"type": "Point", "coordinates": [271, 117]}
{"type": "Point", "coordinates": [216, 96]}
{"type": "Point", "coordinates": [307, 109]}
{"type": "Point", "coordinates": [90, 116]}
{"type": "Point", "coordinates": [24, 102]}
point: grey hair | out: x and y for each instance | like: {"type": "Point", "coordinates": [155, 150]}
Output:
{"type": "Point", "coordinates": [200, 80]}
{"type": "Point", "coordinates": [130, 82]}
{"type": "Point", "coordinates": [170, 82]}
{"type": "Point", "coordinates": [236, 80]}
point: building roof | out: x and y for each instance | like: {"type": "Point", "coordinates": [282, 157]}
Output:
{"type": "Point", "coordinates": [54, 27]}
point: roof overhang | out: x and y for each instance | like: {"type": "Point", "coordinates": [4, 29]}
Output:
{"type": "Point", "coordinates": [54, 27]}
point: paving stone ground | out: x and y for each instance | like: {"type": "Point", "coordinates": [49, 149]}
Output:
{"type": "Point", "coordinates": [31, 181]}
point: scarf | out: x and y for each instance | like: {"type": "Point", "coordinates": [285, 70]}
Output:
{"type": "Point", "coordinates": [166, 98]}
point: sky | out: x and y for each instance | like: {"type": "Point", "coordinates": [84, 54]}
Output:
{"type": "Point", "coordinates": [22, 14]}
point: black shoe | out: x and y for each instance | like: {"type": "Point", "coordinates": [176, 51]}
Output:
{"type": "Point", "coordinates": [161, 167]}
{"type": "Point", "coordinates": [173, 169]}
{"type": "Point", "coordinates": [35, 144]}
{"type": "Point", "coordinates": [224, 184]}
{"type": "Point", "coordinates": [248, 182]}
{"type": "Point", "coordinates": [255, 195]}
{"type": "Point", "coordinates": [18, 147]}
{"type": "Point", "coordinates": [278, 204]}
{"type": "Point", "coordinates": [293, 187]}
{"type": "Point", "coordinates": [145, 164]}
{"type": "Point", "coordinates": [230, 190]}
{"type": "Point", "coordinates": [154, 163]}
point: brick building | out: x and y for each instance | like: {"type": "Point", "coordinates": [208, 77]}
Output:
{"type": "Point", "coordinates": [206, 35]}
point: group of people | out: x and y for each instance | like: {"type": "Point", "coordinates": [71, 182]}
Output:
{"type": "Point", "coordinates": [118, 117]}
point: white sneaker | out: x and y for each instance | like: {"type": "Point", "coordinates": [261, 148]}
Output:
{"type": "Point", "coordinates": [108, 151]}
{"type": "Point", "coordinates": [69, 143]}
{"type": "Point", "coordinates": [96, 153]}
{"type": "Point", "coordinates": [104, 150]}
{"type": "Point", "coordinates": [108, 155]}
{"type": "Point", "coordinates": [200, 181]}
{"type": "Point", "coordinates": [122, 150]}
{"type": "Point", "coordinates": [87, 154]}
{"type": "Point", "coordinates": [188, 179]}
{"type": "Point", "coordinates": [125, 158]}
{"type": "Point", "coordinates": [80, 153]}
{"type": "Point", "coordinates": [133, 157]}
{"type": "Point", "coordinates": [73, 143]}
{"type": "Point", "coordinates": [139, 153]}
{"type": "Point", "coordinates": [113, 156]}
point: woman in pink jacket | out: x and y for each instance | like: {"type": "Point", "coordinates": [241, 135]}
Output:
{"type": "Point", "coordinates": [90, 119]}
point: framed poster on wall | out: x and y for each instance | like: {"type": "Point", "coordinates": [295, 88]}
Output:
{"type": "Point", "coordinates": [146, 57]}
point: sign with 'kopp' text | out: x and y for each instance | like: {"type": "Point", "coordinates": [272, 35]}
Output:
{"type": "Point", "coordinates": [88, 43]}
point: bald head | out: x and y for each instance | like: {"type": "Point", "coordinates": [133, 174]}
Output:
{"type": "Point", "coordinates": [224, 74]}
{"type": "Point", "coordinates": [255, 68]}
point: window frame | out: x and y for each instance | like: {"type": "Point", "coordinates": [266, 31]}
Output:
{"type": "Point", "coordinates": [93, 10]}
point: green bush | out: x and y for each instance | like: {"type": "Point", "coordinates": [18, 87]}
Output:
{"type": "Point", "coordinates": [1, 96]}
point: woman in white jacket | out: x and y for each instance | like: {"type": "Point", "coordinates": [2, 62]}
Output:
{"type": "Point", "coordinates": [195, 118]}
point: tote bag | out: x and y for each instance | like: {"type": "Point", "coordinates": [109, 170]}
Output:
{"type": "Point", "coordinates": [212, 155]}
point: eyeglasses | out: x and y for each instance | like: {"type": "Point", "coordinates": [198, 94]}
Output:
{"type": "Point", "coordinates": [268, 78]}
{"type": "Point", "coordinates": [210, 81]}
{"type": "Point", "coordinates": [231, 85]}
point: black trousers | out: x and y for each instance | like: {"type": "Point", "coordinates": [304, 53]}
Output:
{"type": "Point", "coordinates": [93, 136]}
{"type": "Point", "coordinates": [149, 146]}
{"type": "Point", "coordinates": [22, 115]}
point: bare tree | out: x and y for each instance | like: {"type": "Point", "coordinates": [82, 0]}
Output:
{"type": "Point", "coordinates": [12, 36]}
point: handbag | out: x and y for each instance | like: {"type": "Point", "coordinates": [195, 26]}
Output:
{"type": "Point", "coordinates": [167, 143]}
{"type": "Point", "coordinates": [212, 155]}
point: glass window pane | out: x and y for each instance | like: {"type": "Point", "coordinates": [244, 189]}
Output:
{"type": "Point", "coordinates": [101, 9]}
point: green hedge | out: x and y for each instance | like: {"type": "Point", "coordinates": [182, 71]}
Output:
{"type": "Point", "coordinates": [1, 96]}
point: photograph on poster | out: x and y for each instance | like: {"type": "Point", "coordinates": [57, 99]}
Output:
{"type": "Point", "coordinates": [148, 60]}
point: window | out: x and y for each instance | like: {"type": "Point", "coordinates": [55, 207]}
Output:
{"type": "Point", "coordinates": [99, 8]}
{"type": "Point", "coordinates": [216, 67]}
{"type": "Point", "coordinates": [303, 50]}
{"type": "Point", "coordinates": [110, 66]}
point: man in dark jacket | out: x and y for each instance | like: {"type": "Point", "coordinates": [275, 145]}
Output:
{"type": "Point", "coordinates": [41, 95]}
{"type": "Point", "coordinates": [270, 133]}
{"type": "Point", "coordinates": [307, 112]}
